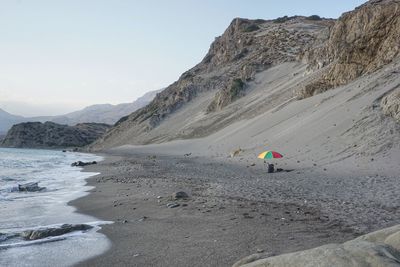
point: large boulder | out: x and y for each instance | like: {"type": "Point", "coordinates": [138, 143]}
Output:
{"type": "Point", "coordinates": [381, 248]}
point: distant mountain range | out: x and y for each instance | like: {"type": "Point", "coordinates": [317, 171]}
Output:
{"type": "Point", "coordinates": [102, 113]}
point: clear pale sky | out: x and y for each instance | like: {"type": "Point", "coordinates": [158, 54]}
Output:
{"type": "Point", "coordinates": [57, 56]}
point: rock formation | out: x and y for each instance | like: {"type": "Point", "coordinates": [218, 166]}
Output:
{"type": "Point", "coordinates": [52, 135]}
{"type": "Point", "coordinates": [381, 248]}
{"type": "Point", "coordinates": [360, 42]}
{"type": "Point", "coordinates": [391, 104]}
{"type": "Point", "coordinates": [54, 231]}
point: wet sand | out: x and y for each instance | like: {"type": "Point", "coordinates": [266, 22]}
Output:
{"type": "Point", "coordinates": [233, 210]}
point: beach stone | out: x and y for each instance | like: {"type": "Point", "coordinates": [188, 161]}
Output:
{"type": "Point", "coordinates": [53, 231]}
{"type": "Point", "coordinates": [81, 163]}
{"type": "Point", "coordinates": [143, 218]}
{"type": "Point", "coordinates": [381, 248]}
{"type": "Point", "coordinates": [235, 153]}
{"type": "Point", "coordinates": [30, 187]}
{"type": "Point", "coordinates": [172, 205]}
{"type": "Point", "coordinates": [180, 195]}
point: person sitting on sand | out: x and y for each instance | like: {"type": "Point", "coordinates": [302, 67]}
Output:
{"type": "Point", "coordinates": [271, 168]}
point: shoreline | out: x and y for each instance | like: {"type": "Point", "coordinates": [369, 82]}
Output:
{"type": "Point", "coordinates": [231, 212]}
{"type": "Point", "coordinates": [46, 211]}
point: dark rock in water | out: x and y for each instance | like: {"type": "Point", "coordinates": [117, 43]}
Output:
{"type": "Point", "coordinates": [47, 232]}
{"type": "Point", "coordinates": [180, 195]}
{"type": "Point", "coordinates": [30, 187]}
{"type": "Point", "coordinates": [279, 170]}
{"type": "Point", "coordinates": [81, 163]}
{"type": "Point", "coordinates": [64, 151]}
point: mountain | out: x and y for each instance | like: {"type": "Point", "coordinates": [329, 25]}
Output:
{"type": "Point", "coordinates": [7, 120]}
{"type": "Point", "coordinates": [260, 68]}
{"type": "Point", "coordinates": [103, 113]}
{"type": "Point", "coordinates": [52, 135]}
{"type": "Point", "coordinates": [202, 100]}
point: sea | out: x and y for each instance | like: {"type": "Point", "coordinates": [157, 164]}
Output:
{"type": "Point", "coordinates": [47, 208]}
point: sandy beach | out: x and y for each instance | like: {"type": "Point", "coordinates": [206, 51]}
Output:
{"type": "Point", "coordinates": [339, 181]}
{"type": "Point", "coordinates": [233, 210]}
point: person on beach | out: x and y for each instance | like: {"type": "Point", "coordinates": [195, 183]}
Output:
{"type": "Point", "coordinates": [271, 168]}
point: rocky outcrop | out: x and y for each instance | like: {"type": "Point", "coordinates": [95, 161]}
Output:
{"type": "Point", "coordinates": [52, 135]}
{"type": "Point", "coordinates": [227, 95]}
{"type": "Point", "coordinates": [381, 248]}
{"type": "Point", "coordinates": [391, 104]}
{"type": "Point", "coordinates": [360, 42]}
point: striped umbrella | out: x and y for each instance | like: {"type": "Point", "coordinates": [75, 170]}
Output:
{"type": "Point", "coordinates": [270, 155]}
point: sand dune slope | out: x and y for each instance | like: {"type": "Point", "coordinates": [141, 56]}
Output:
{"type": "Point", "coordinates": [344, 126]}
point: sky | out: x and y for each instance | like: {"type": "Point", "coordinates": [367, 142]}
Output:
{"type": "Point", "coordinates": [57, 56]}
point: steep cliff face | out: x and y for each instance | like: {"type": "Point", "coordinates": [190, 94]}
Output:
{"type": "Point", "coordinates": [52, 135]}
{"type": "Point", "coordinates": [360, 42]}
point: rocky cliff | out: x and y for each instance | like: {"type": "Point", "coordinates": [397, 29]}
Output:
{"type": "Point", "coordinates": [52, 135]}
{"type": "Point", "coordinates": [360, 42]}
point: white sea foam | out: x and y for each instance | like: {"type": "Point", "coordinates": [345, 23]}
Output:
{"type": "Point", "coordinates": [29, 210]}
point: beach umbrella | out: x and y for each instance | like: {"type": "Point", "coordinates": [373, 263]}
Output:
{"type": "Point", "coordinates": [270, 155]}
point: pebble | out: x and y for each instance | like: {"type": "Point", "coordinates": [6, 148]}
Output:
{"type": "Point", "coordinates": [143, 218]}
{"type": "Point", "coordinates": [180, 195]}
{"type": "Point", "coordinates": [172, 205]}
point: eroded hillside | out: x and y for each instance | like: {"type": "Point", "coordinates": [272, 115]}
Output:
{"type": "Point", "coordinates": [226, 74]}
{"type": "Point", "coordinates": [257, 66]}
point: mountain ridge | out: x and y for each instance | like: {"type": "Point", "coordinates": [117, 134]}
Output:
{"type": "Point", "coordinates": [98, 113]}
